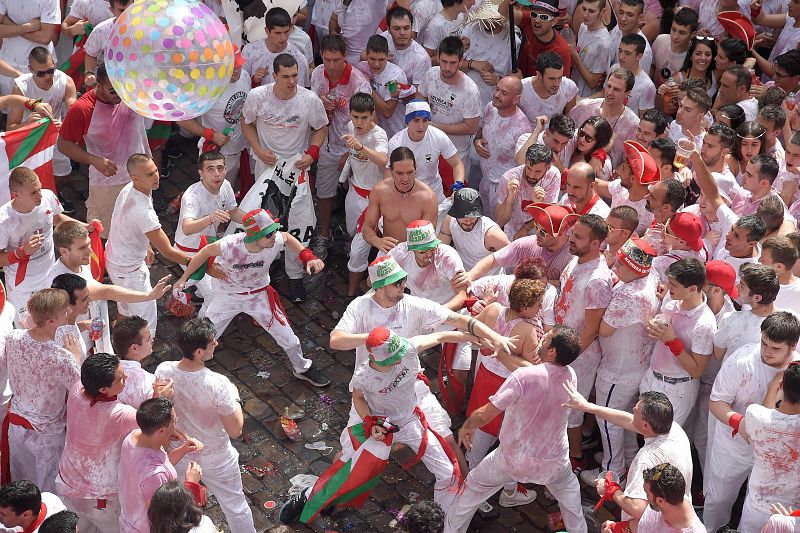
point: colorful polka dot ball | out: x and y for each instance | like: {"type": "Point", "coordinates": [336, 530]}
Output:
{"type": "Point", "coordinates": [169, 59]}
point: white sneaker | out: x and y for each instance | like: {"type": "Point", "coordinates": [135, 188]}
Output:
{"type": "Point", "coordinates": [589, 476]}
{"type": "Point", "coordinates": [521, 496]}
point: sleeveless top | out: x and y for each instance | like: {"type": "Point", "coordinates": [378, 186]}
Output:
{"type": "Point", "coordinates": [53, 96]}
{"type": "Point", "coordinates": [470, 244]}
{"type": "Point", "coordinates": [503, 326]}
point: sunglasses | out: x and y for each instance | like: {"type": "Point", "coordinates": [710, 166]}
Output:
{"type": "Point", "coordinates": [270, 234]}
{"type": "Point", "coordinates": [400, 282]}
{"type": "Point", "coordinates": [586, 136]}
{"type": "Point", "coordinates": [109, 89]}
{"type": "Point", "coordinates": [703, 38]}
{"type": "Point", "coordinates": [43, 73]}
{"type": "Point", "coordinates": [540, 231]}
{"type": "Point", "coordinates": [544, 17]}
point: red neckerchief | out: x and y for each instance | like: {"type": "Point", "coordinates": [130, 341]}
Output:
{"type": "Point", "coordinates": [588, 207]}
{"type": "Point", "coordinates": [344, 80]}
{"type": "Point", "coordinates": [102, 398]}
{"type": "Point", "coordinates": [39, 519]}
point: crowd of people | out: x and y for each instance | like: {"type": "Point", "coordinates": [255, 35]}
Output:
{"type": "Point", "coordinates": [589, 214]}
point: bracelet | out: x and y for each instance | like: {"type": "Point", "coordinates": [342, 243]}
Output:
{"type": "Point", "coordinates": [469, 65]}
{"type": "Point", "coordinates": [675, 346]}
{"type": "Point", "coordinates": [306, 256]}
{"type": "Point", "coordinates": [208, 134]}
{"type": "Point", "coordinates": [313, 151]}
{"type": "Point", "coordinates": [734, 421]}
{"type": "Point", "coordinates": [31, 103]}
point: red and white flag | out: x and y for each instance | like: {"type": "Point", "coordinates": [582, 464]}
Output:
{"type": "Point", "coordinates": [30, 146]}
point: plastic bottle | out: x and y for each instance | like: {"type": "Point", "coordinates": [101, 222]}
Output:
{"type": "Point", "coordinates": [97, 329]}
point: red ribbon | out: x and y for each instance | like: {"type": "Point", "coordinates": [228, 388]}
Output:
{"type": "Point", "coordinates": [102, 397]}
{"type": "Point", "coordinates": [5, 466]}
{"type": "Point", "coordinates": [423, 445]}
{"type": "Point", "coordinates": [611, 488]}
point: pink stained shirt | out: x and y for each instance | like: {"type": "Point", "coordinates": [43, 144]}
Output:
{"type": "Point", "coordinates": [90, 461]}
{"type": "Point", "coordinates": [141, 472]}
{"type": "Point", "coordinates": [550, 182]}
{"type": "Point", "coordinates": [508, 256]}
{"type": "Point", "coordinates": [533, 437]}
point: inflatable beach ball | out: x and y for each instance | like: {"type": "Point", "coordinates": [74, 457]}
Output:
{"type": "Point", "coordinates": [169, 59]}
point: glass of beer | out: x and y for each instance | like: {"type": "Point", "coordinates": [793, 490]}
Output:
{"type": "Point", "coordinates": [682, 152]}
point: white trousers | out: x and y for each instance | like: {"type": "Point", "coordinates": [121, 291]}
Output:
{"type": "Point", "coordinates": [354, 205]}
{"type": "Point", "coordinates": [682, 395]}
{"type": "Point", "coordinates": [90, 518]}
{"type": "Point", "coordinates": [585, 367]}
{"type": "Point", "coordinates": [481, 443]}
{"type": "Point", "coordinates": [753, 519]}
{"type": "Point", "coordinates": [225, 306]}
{"type": "Point", "coordinates": [138, 280]}
{"type": "Point", "coordinates": [721, 482]}
{"type": "Point", "coordinates": [35, 456]}
{"type": "Point", "coordinates": [698, 424]}
{"type": "Point", "coordinates": [222, 476]}
{"type": "Point", "coordinates": [20, 301]}
{"type": "Point", "coordinates": [435, 414]}
{"type": "Point", "coordinates": [490, 476]}
{"type": "Point", "coordinates": [619, 446]}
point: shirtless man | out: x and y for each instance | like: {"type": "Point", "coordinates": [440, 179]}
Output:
{"type": "Point", "coordinates": [398, 201]}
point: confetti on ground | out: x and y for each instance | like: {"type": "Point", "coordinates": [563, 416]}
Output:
{"type": "Point", "coordinates": [260, 471]}
{"type": "Point", "coordinates": [290, 428]}
{"type": "Point", "coordinates": [269, 504]}
{"type": "Point", "coordinates": [327, 400]}
{"type": "Point", "coordinates": [263, 374]}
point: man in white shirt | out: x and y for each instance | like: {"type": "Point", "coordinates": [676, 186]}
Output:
{"type": "Point", "coordinates": [26, 25]}
{"type": "Point", "coordinates": [664, 442]}
{"type": "Point", "coordinates": [134, 228]}
{"type": "Point", "coordinates": [208, 406]}
{"type": "Point", "coordinates": [581, 195]}
{"type": "Point", "coordinates": [734, 88]}
{"type": "Point", "coordinates": [652, 125]}
{"type": "Point", "coordinates": [630, 54]}
{"type": "Point", "coordinates": [454, 98]}
{"type": "Point", "coordinates": [355, 21]}
{"type": "Point", "coordinates": [630, 15]}
{"type": "Point", "coordinates": [592, 53]}
{"type": "Point", "coordinates": [742, 381]}
{"type": "Point", "coordinates": [781, 254]}
{"type": "Point", "coordinates": [549, 92]}
{"type": "Point", "coordinates": [669, 49]}
{"type": "Point", "coordinates": [23, 507]}
{"type": "Point", "coordinates": [260, 55]}
{"type": "Point", "coordinates": [407, 53]}
{"type": "Point", "coordinates": [282, 120]}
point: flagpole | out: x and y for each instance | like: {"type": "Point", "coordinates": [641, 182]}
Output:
{"type": "Point", "coordinates": [512, 37]}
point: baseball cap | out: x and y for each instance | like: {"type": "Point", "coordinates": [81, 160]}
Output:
{"type": "Point", "coordinates": [553, 218]}
{"type": "Point", "coordinates": [259, 223]}
{"type": "Point", "coordinates": [385, 347]}
{"type": "Point", "coordinates": [722, 275]}
{"type": "Point", "coordinates": [636, 254]}
{"type": "Point", "coordinates": [687, 227]}
{"type": "Point", "coordinates": [466, 204]}
{"type": "Point", "coordinates": [644, 167]}
{"type": "Point", "coordinates": [384, 271]}
{"type": "Point", "coordinates": [420, 236]}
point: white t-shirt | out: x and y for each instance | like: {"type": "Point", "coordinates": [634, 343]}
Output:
{"type": "Point", "coordinates": [366, 173]}
{"type": "Point", "coordinates": [738, 329]}
{"type": "Point", "coordinates": [491, 47]}
{"type": "Point", "coordinates": [550, 182]}
{"type": "Point", "coordinates": [499, 137]}
{"type": "Point", "coordinates": [17, 228]}
{"type": "Point", "coordinates": [423, 11]}
{"type": "Point", "coordinates": [787, 39]}
{"type": "Point", "coordinates": [378, 82]}
{"type": "Point", "coordinates": [201, 398]}
{"type": "Point", "coordinates": [470, 245]}
{"type": "Point", "coordinates": [433, 280]}
{"type": "Point", "coordinates": [435, 143]}
{"type": "Point", "coordinates": [227, 113]}
{"type": "Point", "coordinates": [302, 41]}
{"type": "Point", "coordinates": [621, 196]}
{"type": "Point", "coordinates": [256, 55]}
{"type": "Point", "coordinates": [410, 316]}
{"type": "Point", "coordinates": [439, 27]}
{"type": "Point", "coordinates": [245, 270]}
{"type": "Point", "coordinates": [15, 50]}
{"type": "Point", "coordinates": [284, 126]}
{"type": "Point", "coordinates": [626, 353]}
{"type": "Point", "coordinates": [414, 60]}
{"type": "Point", "coordinates": [643, 94]}
{"type": "Point", "coordinates": [665, 61]}
{"type": "Point", "coordinates": [339, 91]}
{"type": "Point", "coordinates": [742, 381]}
{"type": "Point", "coordinates": [96, 11]}
{"type": "Point", "coordinates": [594, 48]}
{"type": "Point", "coordinates": [127, 241]}
{"type": "Point", "coordinates": [98, 40]}
{"type": "Point", "coordinates": [647, 56]}
{"type": "Point", "coordinates": [138, 386]}
{"type": "Point", "coordinates": [534, 105]}
{"type": "Point", "coordinates": [452, 104]}
{"type": "Point", "coordinates": [321, 13]}
{"type": "Point", "coordinates": [789, 297]}
{"type": "Point", "coordinates": [775, 477]}
{"type": "Point", "coordinates": [694, 327]}
{"type": "Point", "coordinates": [358, 22]}
{"type": "Point", "coordinates": [652, 521]}
{"type": "Point", "coordinates": [198, 202]}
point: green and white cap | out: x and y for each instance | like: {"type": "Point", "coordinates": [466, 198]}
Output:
{"type": "Point", "coordinates": [386, 347]}
{"type": "Point", "coordinates": [385, 270]}
{"type": "Point", "coordinates": [420, 236]}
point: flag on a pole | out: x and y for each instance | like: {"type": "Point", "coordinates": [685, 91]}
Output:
{"type": "Point", "coordinates": [348, 481]}
{"type": "Point", "coordinates": [31, 146]}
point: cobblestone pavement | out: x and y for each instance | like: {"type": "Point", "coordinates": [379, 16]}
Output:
{"type": "Point", "coordinates": [261, 371]}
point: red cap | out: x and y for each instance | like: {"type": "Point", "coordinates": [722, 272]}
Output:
{"type": "Point", "coordinates": [644, 167]}
{"type": "Point", "coordinates": [722, 275]}
{"type": "Point", "coordinates": [688, 227]}
{"type": "Point", "coordinates": [238, 60]}
{"type": "Point", "coordinates": [553, 218]}
{"type": "Point", "coordinates": [738, 26]}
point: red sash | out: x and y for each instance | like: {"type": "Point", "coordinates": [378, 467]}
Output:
{"type": "Point", "coordinates": [458, 480]}
{"type": "Point", "coordinates": [186, 248]}
{"type": "Point", "coordinates": [11, 418]}
{"type": "Point", "coordinates": [363, 193]}
{"type": "Point", "coordinates": [588, 207]}
{"type": "Point", "coordinates": [275, 304]}
{"type": "Point", "coordinates": [22, 269]}
{"type": "Point", "coordinates": [453, 393]}
{"type": "Point", "coordinates": [486, 384]}
{"type": "Point", "coordinates": [39, 519]}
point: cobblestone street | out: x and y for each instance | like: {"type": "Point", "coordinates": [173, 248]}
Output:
{"type": "Point", "coordinates": [261, 371]}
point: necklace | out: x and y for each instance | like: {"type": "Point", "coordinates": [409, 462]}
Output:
{"type": "Point", "coordinates": [614, 125]}
{"type": "Point", "coordinates": [408, 191]}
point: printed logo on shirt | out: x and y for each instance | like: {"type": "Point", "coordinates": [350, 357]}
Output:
{"type": "Point", "coordinates": [280, 121]}
{"type": "Point", "coordinates": [403, 373]}
{"type": "Point", "coordinates": [233, 110]}
{"type": "Point", "coordinates": [440, 103]}
{"type": "Point", "coordinates": [428, 158]}
{"type": "Point", "coordinates": [245, 266]}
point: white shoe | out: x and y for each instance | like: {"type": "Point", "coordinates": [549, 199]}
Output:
{"type": "Point", "coordinates": [521, 496]}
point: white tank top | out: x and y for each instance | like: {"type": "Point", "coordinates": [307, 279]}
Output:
{"type": "Point", "coordinates": [54, 96]}
{"type": "Point", "coordinates": [470, 244]}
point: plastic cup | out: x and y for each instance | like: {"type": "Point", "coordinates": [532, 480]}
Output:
{"type": "Point", "coordinates": [683, 151]}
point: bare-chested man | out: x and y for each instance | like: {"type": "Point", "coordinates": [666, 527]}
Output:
{"type": "Point", "coordinates": [398, 202]}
